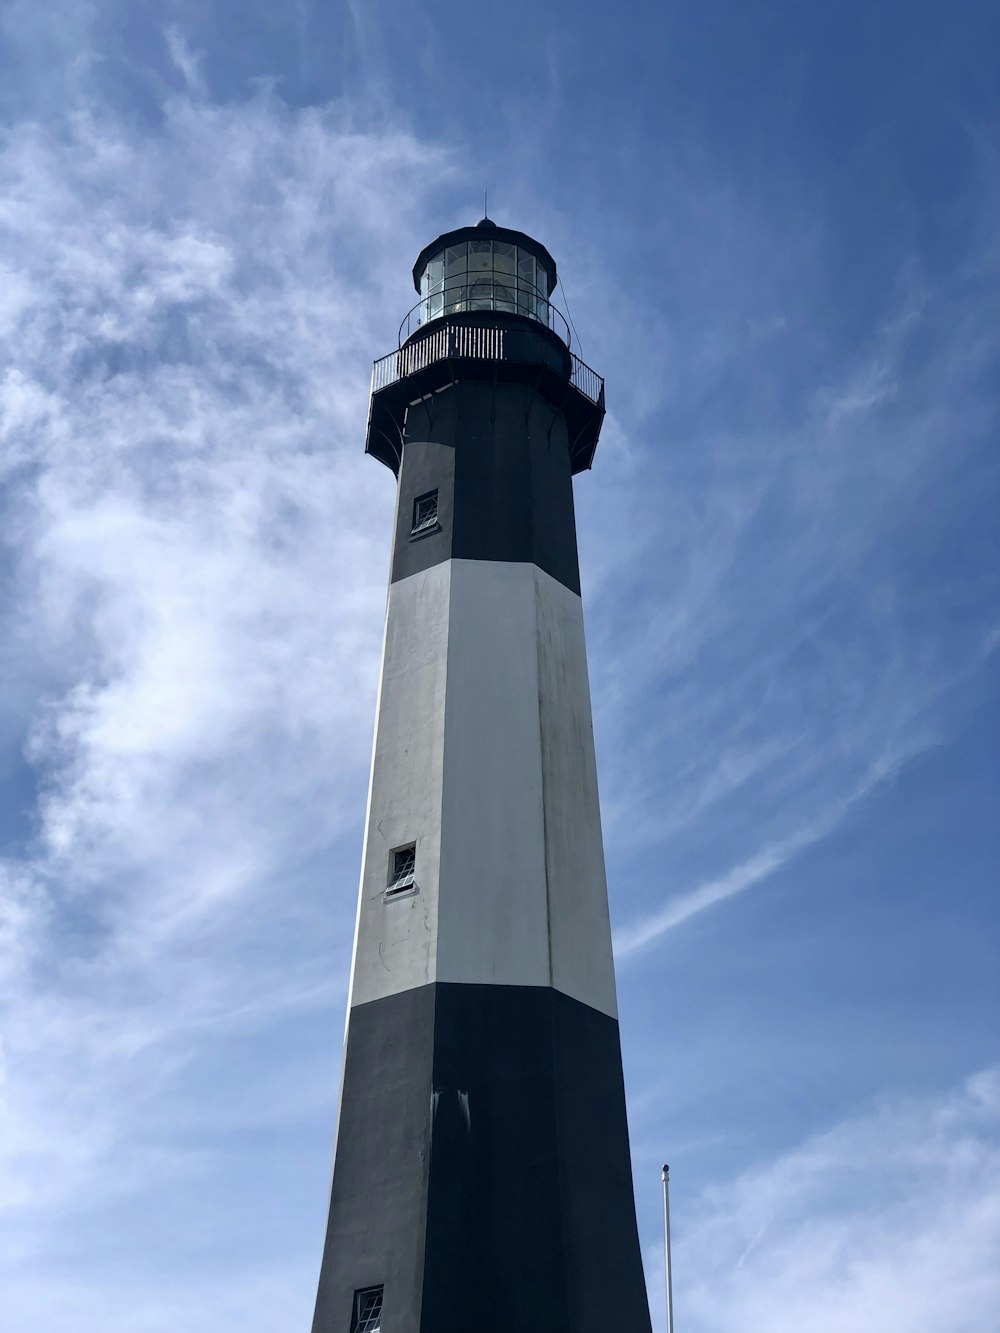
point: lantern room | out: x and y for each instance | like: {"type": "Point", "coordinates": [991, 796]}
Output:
{"type": "Point", "coordinates": [487, 267]}
{"type": "Point", "coordinates": [484, 314]}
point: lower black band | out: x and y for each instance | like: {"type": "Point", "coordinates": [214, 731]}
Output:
{"type": "Point", "coordinates": [482, 1171]}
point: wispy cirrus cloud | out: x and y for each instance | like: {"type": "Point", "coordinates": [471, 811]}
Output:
{"type": "Point", "coordinates": [915, 736]}
{"type": "Point", "coordinates": [643, 932]}
{"type": "Point", "coordinates": [193, 566]}
{"type": "Point", "coordinates": [890, 1219]}
{"type": "Point", "coordinates": [773, 605]}
{"type": "Point", "coordinates": [190, 311]}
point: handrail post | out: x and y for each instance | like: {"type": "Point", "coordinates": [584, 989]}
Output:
{"type": "Point", "coordinates": [666, 1249]}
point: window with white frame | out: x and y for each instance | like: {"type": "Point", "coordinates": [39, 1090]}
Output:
{"type": "Point", "coordinates": [367, 1310]}
{"type": "Point", "coordinates": [425, 514]}
{"type": "Point", "coordinates": [402, 870]}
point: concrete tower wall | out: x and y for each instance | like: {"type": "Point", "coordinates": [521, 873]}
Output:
{"type": "Point", "coordinates": [484, 758]}
{"type": "Point", "coordinates": [482, 1172]}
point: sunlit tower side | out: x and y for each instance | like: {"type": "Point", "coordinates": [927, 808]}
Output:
{"type": "Point", "coordinates": [482, 1181]}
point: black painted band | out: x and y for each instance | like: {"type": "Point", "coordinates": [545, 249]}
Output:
{"type": "Point", "coordinates": [482, 1169]}
{"type": "Point", "coordinates": [498, 456]}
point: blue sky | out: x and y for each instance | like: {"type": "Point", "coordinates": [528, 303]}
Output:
{"type": "Point", "coordinates": [776, 232]}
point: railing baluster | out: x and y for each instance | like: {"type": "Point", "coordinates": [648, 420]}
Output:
{"type": "Point", "coordinates": [478, 342]}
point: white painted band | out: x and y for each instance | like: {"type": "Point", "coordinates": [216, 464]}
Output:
{"type": "Point", "coordinates": [484, 757]}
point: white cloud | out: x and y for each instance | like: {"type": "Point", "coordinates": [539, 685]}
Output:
{"type": "Point", "coordinates": [915, 736]}
{"type": "Point", "coordinates": [772, 607]}
{"type": "Point", "coordinates": [889, 1221]}
{"type": "Point", "coordinates": [194, 560]}
{"type": "Point", "coordinates": [770, 858]}
{"type": "Point", "coordinates": [189, 311]}
{"type": "Point", "coordinates": [187, 61]}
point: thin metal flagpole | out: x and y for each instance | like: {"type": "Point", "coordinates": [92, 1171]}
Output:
{"type": "Point", "coordinates": [666, 1249]}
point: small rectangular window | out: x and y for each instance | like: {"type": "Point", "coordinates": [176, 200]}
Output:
{"type": "Point", "coordinates": [402, 870]}
{"type": "Point", "coordinates": [367, 1310]}
{"type": "Point", "coordinates": [425, 514]}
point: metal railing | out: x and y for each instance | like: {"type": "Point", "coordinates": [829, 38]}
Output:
{"type": "Point", "coordinates": [507, 297]}
{"type": "Point", "coordinates": [590, 384]}
{"type": "Point", "coordinates": [468, 341]}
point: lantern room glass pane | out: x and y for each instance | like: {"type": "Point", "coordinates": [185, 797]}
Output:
{"type": "Point", "coordinates": [485, 275]}
{"type": "Point", "coordinates": [504, 298]}
{"type": "Point", "coordinates": [526, 303]}
{"type": "Point", "coordinates": [504, 260]}
{"type": "Point", "coordinates": [481, 293]}
{"type": "Point", "coordinates": [456, 298]}
{"type": "Point", "coordinates": [433, 275]}
{"type": "Point", "coordinates": [456, 262]}
{"type": "Point", "coordinates": [480, 257]}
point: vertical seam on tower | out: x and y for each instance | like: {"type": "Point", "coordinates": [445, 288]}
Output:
{"type": "Point", "coordinates": [545, 828]}
{"type": "Point", "coordinates": [541, 729]}
{"type": "Point", "coordinates": [450, 567]}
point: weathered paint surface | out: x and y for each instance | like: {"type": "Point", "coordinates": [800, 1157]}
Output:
{"type": "Point", "coordinates": [396, 941]}
{"type": "Point", "coordinates": [492, 915]}
{"type": "Point", "coordinates": [484, 757]}
{"type": "Point", "coordinates": [579, 922]}
{"type": "Point", "coordinates": [482, 1171]}
{"type": "Point", "coordinates": [482, 1165]}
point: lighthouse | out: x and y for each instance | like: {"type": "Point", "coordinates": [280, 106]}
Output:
{"type": "Point", "coordinates": [482, 1180]}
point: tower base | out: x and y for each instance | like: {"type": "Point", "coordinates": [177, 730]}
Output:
{"type": "Point", "coordinates": [482, 1174]}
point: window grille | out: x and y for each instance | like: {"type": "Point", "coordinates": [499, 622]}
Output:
{"type": "Point", "coordinates": [367, 1311]}
{"type": "Point", "coordinates": [425, 514]}
{"type": "Point", "coordinates": [402, 867]}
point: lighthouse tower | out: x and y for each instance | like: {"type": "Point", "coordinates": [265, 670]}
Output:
{"type": "Point", "coordinates": [482, 1181]}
